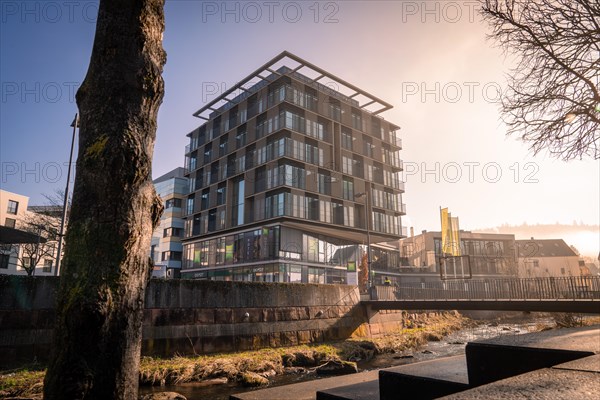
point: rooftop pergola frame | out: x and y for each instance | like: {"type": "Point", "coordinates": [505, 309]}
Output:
{"type": "Point", "coordinates": [269, 72]}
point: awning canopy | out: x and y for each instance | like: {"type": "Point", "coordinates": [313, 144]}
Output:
{"type": "Point", "coordinates": [17, 236]}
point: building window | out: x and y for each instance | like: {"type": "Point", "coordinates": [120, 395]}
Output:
{"type": "Point", "coordinates": [190, 205]}
{"type": "Point", "coordinates": [173, 203]}
{"type": "Point", "coordinates": [338, 212]}
{"type": "Point", "coordinates": [347, 165]}
{"type": "Point", "coordinates": [275, 205]}
{"type": "Point", "coordinates": [312, 208]}
{"type": "Point", "coordinates": [367, 147]}
{"type": "Point", "coordinates": [314, 155]}
{"type": "Point", "coordinates": [347, 140]}
{"type": "Point", "coordinates": [176, 232]}
{"type": "Point", "coordinates": [348, 189]}
{"type": "Point", "coordinates": [207, 153]}
{"type": "Point", "coordinates": [240, 139]}
{"type": "Point", "coordinates": [214, 172]}
{"type": "Point", "coordinates": [223, 146]}
{"type": "Point", "coordinates": [357, 121]}
{"type": "Point", "coordinates": [237, 214]}
{"type": "Point", "coordinates": [221, 194]}
{"type": "Point", "coordinates": [348, 215]}
{"type": "Point", "coordinates": [27, 263]}
{"type": "Point", "coordinates": [212, 220]}
{"type": "Point", "coordinates": [324, 183]}
{"type": "Point", "coordinates": [47, 266]}
{"type": "Point", "coordinates": [171, 256]}
{"type": "Point", "coordinates": [335, 111]}
{"type": "Point", "coordinates": [204, 199]}
{"type": "Point", "coordinates": [13, 207]}
{"type": "Point", "coordinates": [10, 222]}
{"type": "Point", "coordinates": [4, 259]}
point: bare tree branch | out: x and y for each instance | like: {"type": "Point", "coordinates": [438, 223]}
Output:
{"type": "Point", "coordinates": [553, 96]}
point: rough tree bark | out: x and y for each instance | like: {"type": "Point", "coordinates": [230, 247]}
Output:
{"type": "Point", "coordinates": [97, 337]}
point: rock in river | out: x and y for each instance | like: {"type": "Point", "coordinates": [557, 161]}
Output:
{"type": "Point", "coordinates": [335, 367]}
{"type": "Point", "coordinates": [163, 396]}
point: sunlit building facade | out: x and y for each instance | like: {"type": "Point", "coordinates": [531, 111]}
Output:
{"type": "Point", "coordinates": [166, 249]}
{"type": "Point", "coordinates": [43, 222]}
{"type": "Point", "coordinates": [488, 255]}
{"type": "Point", "coordinates": [289, 172]}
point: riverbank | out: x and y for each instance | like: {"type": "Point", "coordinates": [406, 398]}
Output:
{"type": "Point", "coordinates": [256, 368]}
{"type": "Point", "coordinates": [277, 366]}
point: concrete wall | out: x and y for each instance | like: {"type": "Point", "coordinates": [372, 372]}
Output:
{"type": "Point", "coordinates": [188, 316]}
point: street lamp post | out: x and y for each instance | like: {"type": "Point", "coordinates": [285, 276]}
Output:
{"type": "Point", "coordinates": [61, 234]}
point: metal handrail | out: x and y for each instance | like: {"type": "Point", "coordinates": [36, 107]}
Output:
{"type": "Point", "coordinates": [549, 288]}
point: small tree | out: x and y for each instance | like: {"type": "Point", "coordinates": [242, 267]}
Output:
{"type": "Point", "coordinates": [553, 98]}
{"type": "Point", "coordinates": [45, 227]}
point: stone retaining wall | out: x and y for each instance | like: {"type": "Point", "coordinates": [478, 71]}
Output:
{"type": "Point", "coordinates": [194, 317]}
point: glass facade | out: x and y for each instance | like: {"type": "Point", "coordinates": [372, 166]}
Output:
{"type": "Point", "coordinates": [284, 255]}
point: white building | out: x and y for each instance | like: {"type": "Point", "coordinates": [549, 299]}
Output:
{"type": "Point", "coordinates": [17, 258]}
{"type": "Point", "coordinates": [545, 258]}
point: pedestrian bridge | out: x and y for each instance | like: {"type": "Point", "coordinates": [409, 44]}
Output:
{"type": "Point", "coordinates": [579, 294]}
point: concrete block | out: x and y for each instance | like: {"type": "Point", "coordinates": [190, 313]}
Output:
{"type": "Point", "coordinates": [224, 316]}
{"type": "Point", "coordinates": [499, 358]}
{"type": "Point", "coordinates": [304, 337]}
{"type": "Point", "coordinates": [544, 384]}
{"type": "Point", "coordinates": [359, 391]}
{"type": "Point", "coordinates": [590, 364]}
{"type": "Point", "coordinates": [424, 380]}
{"type": "Point", "coordinates": [288, 338]}
{"type": "Point", "coordinates": [204, 316]}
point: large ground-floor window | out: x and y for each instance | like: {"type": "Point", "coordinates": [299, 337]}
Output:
{"type": "Point", "coordinates": [279, 272]}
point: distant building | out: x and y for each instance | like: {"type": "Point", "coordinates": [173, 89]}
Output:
{"type": "Point", "coordinates": [15, 213]}
{"type": "Point", "coordinates": [489, 256]}
{"type": "Point", "coordinates": [166, 247]}
{"type": "Point", "coordinates": [589, 269]}
{"type": "Point", "coordinates": [546, 257]}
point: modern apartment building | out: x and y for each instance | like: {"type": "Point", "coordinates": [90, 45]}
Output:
{"type": "Point", "coordinates": [291, 175]}
{"type": "Point", "coordinates": [166, 248]}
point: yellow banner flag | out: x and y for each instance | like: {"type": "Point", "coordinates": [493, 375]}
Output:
{"type": "Point", "coordinates": [455, 236]}
{"type": "Point", "coordinates": [446, 231]}
{"type": "Point", "coordinates": [450, 234]}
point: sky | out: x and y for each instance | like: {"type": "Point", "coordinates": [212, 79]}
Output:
{"type": "Point", "coordinates": [430, 59]}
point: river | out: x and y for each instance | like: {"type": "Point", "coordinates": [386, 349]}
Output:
{"type": "Point", "coordinates": [453, 344]}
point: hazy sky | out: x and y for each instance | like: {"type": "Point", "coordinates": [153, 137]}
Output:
{"type": "Point", "coordinates": [430, 59]}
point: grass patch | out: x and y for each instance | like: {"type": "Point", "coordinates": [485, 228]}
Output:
{"type": "Point", "coordinates": [266, 362]}
{"type": "Point", "coordinates": [22, 383]}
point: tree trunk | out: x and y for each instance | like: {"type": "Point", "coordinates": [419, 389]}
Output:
{"type": "Point", "coordinates": [97, 338]}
